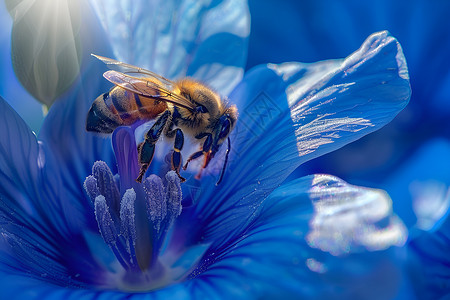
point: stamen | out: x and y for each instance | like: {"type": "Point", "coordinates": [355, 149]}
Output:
{"type": "Point", "coordinates": [91, 188]}
{"type": "Point", "coordinates": [134, 233]}
{"type": "Point", "coordinates": [106, 185]}
{"type": "Point", "coordinates": [155, 200]}
{"type": "Point", "coordinates": [104, 221]}
{"type": "Point", "coordinates": [108, 230]}
{"type": "Point", "coordinates": [128, 226]}
{"type": "Point", "coordinates": [163, 204]}
{"type": "Point", "coordinates": [173, 196]}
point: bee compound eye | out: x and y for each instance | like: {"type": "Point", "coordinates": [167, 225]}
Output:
{"type": "Point", "coordinates": [225, 128]}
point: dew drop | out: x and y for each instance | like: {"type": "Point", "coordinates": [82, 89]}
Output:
{"type": "Point", "coordinates": [316, 266]}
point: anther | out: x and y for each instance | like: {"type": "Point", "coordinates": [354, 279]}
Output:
{"type": "Point", "coordinates": [104, 221]}
{"type": "Point", "coordinates": [108, 230]}
{"type": "Point", "coordinates": [155, 200]}
{"type": "Point", "coordinates": [106, 184]}
{"type": "Point", "coordinates": [173, 195]}
{"type": "Point", "coordinates": [127, 225]}
{"type": "Point", "coordinates": [91, 188]}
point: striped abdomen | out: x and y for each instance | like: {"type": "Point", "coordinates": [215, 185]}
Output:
{"type": "Point", "coordinates": [121, 107]}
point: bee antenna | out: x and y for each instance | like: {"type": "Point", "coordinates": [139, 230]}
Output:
{"type": "Point", "coordinates": [224, 163]}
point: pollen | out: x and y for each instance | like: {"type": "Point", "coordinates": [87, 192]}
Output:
{"type": "Point", "coordinates": [121, 224]}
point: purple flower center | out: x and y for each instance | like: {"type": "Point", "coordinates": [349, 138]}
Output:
{"type": "Point", "coordinates": [134, 219]}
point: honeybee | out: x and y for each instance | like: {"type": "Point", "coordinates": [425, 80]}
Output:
{"type": "Point", "coordinates": [180, 107]}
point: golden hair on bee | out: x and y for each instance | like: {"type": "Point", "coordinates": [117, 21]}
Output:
{"type": "Point", "coordinates": [208, 103]}
{"type": "Point", "coordinates": [179, 107]}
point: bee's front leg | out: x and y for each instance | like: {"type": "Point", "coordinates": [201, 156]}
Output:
{"type": "Point", "coordinates": [176, 155]}
{"type": "Point", "coordinates": [205, 149]}
{"type": "Point", "coordinates": [146, 149]}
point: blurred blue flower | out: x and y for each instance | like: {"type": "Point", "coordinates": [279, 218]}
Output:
{"type": "Point", "coordinates": [24, 104]}
{"type": "Point", "coordinates": [409, 158]}
{"type": "Point", "coordinates": [311, 30]}
{"type": "Point", "coordinates": [71, 228]}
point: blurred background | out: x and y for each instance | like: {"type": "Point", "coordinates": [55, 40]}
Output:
{"type": "Point", "coordinates": [410, 157]}
{"type": "Point", "coordinates": [10, 88]}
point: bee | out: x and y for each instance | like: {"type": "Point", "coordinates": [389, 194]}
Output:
{"type": "Point", "coordinates": [180, 107]}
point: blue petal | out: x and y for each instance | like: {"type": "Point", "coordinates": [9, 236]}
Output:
{"type": "Point", "coordinates": [429, 263]}
{"type": "Point", "coordinates": [294, 112]}
{"type": "Point", "coordinates": [203, 39]}
{"type": "Point", "coordinates": [33, 220]}
{"type": "Point", "coordinates": [327, 28]}
{"type": "Point", "coordinates": [273, 259]}
{"type": "Point", "coordinates": [19, 159]}
{"type": "Point", "coordinates": [428, 183]}
{"type": "Point", "coordinates": [22, 287]}
{"type": "Point", "coordinates": [313, 30]}
{"type": "Point", "coordinates": [420, 187]}
{"type": "Point", "coordinates": [39, 222]}
{"type": "Point", "coordinates": [29, 197]}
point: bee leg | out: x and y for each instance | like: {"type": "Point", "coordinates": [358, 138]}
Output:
{"type": "Point", "coordinates": [146, 149]}
{"type": "Point", "coordinates": [192, 157]}
{"type": "Point", "coordinates": [205, 149]}
{"type": "Point", "coordinates": [176, 155]}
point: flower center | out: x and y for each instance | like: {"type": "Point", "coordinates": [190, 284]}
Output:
{"type": "Point", "coordinates": [117, 217]}
{"type": "Point", "coordinates": [135, 220]}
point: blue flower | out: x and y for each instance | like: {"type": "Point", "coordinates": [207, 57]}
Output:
{"type": "Point", "coordinates": [410, 160]}
{"type": "Point", "coordinates": [409, 157]}
{"type": "Point", "coordinates": [315, 30]}
{"type": "Point", "coordinates": [70, 227]}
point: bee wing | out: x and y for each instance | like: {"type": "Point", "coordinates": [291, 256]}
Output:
{"type": "Point", "coordinates": [132, 70]}
{"type": "Point", "coordinates": [147, 88]}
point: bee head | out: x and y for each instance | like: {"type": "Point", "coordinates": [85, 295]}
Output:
{"type": "Point", "coordinates": [221, 131]}
{"type": "Point", "coordinates": [224, 126]}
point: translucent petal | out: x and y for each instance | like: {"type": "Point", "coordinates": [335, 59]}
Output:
{"type": "Point", "coordinates": [203, 39]}
{"type": "Point", "coordinates": [429, 262]}
{"type": "Point", "coordinates": [294, 112]}
{"type": "Point", "coordinates": [276, 243]}
{"type": "Point", "coordinates": [64, 133]}
{"type": "Point", "coordinates": [423, 187]}
{"type": "Point", "coordinates": [313, 30]}
{"type": "Point", "coordinates": [419, 187]}
{"type": "Point", "coordinates": [327, 28]}
{"type": "Point", "coordinates": [10, 88]}
{"type": "Point", "coordinates": [45, 46]}
{"type": "Point", "coordinates": [347, 218]}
